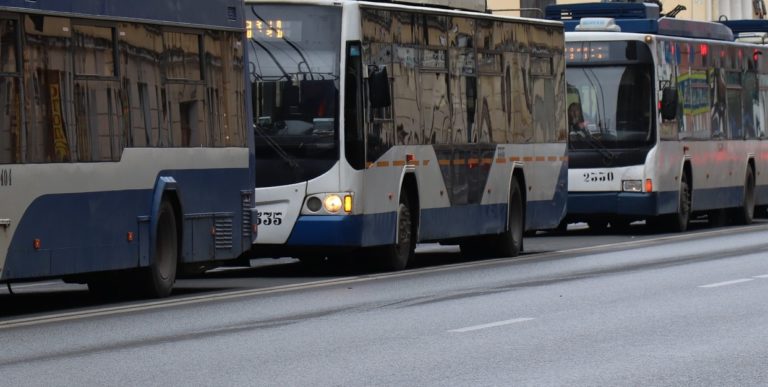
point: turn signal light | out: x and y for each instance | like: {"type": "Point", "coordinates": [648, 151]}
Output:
{"type": "Point", "coordinates": [37, 244]}
{"type": "Point", "coordinates": [348, 203]}
{"type": "Point", "coordinates": [648, 185]}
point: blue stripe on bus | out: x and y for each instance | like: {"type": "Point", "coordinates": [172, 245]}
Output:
{"type": "Point", "coordinates": [343, 230]}
{"type": "Point", "coordinates": [651, 204]}
{"type": "Point", "coordinates": [435, 224]}
{"type": "Point", "coordinates": [619, 203]}
{"type": "Point", "coordinates": [458, 221]}
{"type": "Point", "coordinates": [87, 232]}
{"type": "Point", "coordinates": [712, 198]}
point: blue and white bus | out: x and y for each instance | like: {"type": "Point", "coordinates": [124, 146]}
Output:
{"type": "Point", "coordinates": [124, 154]}
{"type": "Point", "coordinates": [667, 118]}
{"type": "Point", "coordinates": [379, 125]}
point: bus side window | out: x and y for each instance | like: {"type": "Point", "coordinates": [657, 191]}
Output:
{"type": "Point", "coordinates": [378, 87]}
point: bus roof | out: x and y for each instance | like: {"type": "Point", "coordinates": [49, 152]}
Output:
{"type": "Point", "coordinates": [219, 13]}
{"type": "Point", "coordinates": [462, 5]}
{"type": "Point", "coordinates": [746, 26]}
{"type": "Point", "coordinates": [635, 17]}
{"type": "Point", "coordinates": [473, 5]}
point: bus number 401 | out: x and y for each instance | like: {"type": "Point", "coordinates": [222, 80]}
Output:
{"type": "Point", "coordinates": [269, 218]}
{"type": "Point", "coordinates": [597, 177]}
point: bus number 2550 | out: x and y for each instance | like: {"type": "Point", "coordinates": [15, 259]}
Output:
{"type": "Point", "coordinates": [269, 218]}
{"type": "Point", "coordinates": [597, 177]}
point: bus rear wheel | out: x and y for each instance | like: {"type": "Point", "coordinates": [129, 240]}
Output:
{"type": "Point", "coordinates": [157, 280]}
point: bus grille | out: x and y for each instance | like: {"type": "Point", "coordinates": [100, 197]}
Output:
{"type": "Point", "coordinates": [246, 211]}
{"type": "Point", "coordinates": [223, 232]}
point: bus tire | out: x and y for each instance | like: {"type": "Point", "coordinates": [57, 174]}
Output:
{"type": "Point", "coordinates": [746, 213]}
{"type": "Point", "coordinates": [678, 222]}
{"type": "Point", "coordinates": [396, 256]}
{"type": "Point", "coordinates": [510, 242]}
{"type": "Point", "coordinates": [156, 281]}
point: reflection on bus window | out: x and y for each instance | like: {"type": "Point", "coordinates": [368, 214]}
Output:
{"type": "Point", "coordinates": [616, 105]}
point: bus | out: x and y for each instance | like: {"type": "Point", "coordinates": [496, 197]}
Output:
{"type": "Point", "coordinates": [379, 125]}
{"type": "Point", "coordinates": [666, 118]}
{"type": "Point", "coordinates": [124, 154]}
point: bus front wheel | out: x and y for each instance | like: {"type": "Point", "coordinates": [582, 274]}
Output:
{"type": "Point", "coordinates": [746, 213]}
{"type": "Point", "coordinates": [396, 256]}
{"type": "Point", "coordinates": [510, 243]}
{"type": "Point", "coordinates": [677, 222]}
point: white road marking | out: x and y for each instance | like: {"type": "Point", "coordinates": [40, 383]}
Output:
{"type": "Point", "coordinates": [761, 276]}
{"type": "Point", "coordinates": [491, 325]}
{"type": "Point", "coordinates": [726, 283]}
{"type": "Point", "coordinates": [237, 294]}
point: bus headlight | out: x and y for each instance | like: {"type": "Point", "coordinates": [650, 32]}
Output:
{"type": "Point", "coordinates": [632, 185]}
{"type": "Point", "coordinates": [329, 203]}
{"type": "Point", "coordinates": [333, 203]}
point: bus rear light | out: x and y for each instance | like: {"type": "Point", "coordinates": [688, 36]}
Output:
{"type": "Point", "coordinates": [129, 236]}
{"type": "Point", "coordinates": [648, 185]}
{"type": "Point", "coordinates": [37, 244]}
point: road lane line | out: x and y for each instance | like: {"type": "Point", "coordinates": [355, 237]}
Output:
{"type": "Point", "coordinates": [491, 325]}
{"type": "Point", "coordinates": [726, 283]}
{"type": "Point", "coordinates": [237, 294]}
{"type": "Point", "coordinates": [761, 276]}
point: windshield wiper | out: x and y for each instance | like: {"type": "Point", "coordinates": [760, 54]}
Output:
{"type": "Point", "coordinates": [274, 59]}
{"type": "Point", "coordinates": [276, 147]}
{"type": "Point", "coordinates": [608, 156]}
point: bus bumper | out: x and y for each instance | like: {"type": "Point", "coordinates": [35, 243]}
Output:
{"type": "Point", "coordinates": [632, 204]}
{"type": "Point", "coordinates": [343, 230]}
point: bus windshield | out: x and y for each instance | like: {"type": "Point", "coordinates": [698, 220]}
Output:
{"type": "Point", "coordinates": [610, 106]}
{"type": "Point", "coordinates": [294, 70]}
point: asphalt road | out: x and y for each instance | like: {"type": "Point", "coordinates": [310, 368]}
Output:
{"type": "Point", "coordinates": [578, 309]}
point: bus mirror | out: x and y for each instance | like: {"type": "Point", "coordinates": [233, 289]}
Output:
{"type": "Point", "coordinates": [669, 103]}
{"type": "Point", "coordinates": [378, 87]}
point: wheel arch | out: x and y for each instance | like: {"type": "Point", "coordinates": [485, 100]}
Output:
{"type": "Point", "coordinates": [751, 164]}
{"type": "Point", "coordinates": [166, 189]}
{"type": "Point", "coordinates": [688, 171]}
{"type": "Point", "coordinates": [519, 175]}
{"type": "Point", "coordinates": [410, 186]}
